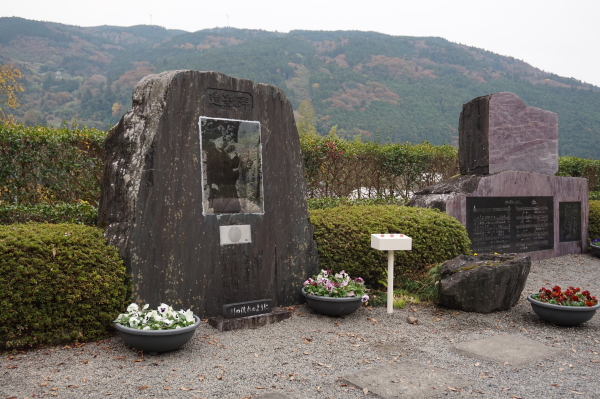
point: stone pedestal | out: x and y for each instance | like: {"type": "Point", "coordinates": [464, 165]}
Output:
{"type": "Point", "coordinates": [563, 236]}
{"type": "Point", "coordinates": [256, 321]}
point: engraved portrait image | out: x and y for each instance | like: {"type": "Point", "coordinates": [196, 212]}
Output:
{"type": "Point", "coordinates": [231, 166]}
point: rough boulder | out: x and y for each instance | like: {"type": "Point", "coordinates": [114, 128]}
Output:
{"type": "Point", "coordinates": [483, 283]}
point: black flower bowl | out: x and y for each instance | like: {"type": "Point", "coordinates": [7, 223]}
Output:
{"type": "Point", "coordinates": [563, 315]}
{"type": "Point", "coordinates": [332, 306]}
{"type": "Point", "coordinates": [157, 340]}
{"type": "Point", "coordinates": [595, 249]}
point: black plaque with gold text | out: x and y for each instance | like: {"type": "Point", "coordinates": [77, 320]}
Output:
{"type": "Point", "coordinates": [510, 224]}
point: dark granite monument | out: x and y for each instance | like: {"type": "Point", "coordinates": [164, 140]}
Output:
{"type": "Point", "coordinates": [204, 193]}
{"type": "Point", "coordinates": [507, 195]}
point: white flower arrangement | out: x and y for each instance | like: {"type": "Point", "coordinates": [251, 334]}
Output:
{"type": "Point", "coordinates": [163, 318]}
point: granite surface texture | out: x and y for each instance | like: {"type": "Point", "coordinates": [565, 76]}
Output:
{"type": "Point", "coordinates": [151, 204]}
{"type": "Point", "coordinates": [499, 132]}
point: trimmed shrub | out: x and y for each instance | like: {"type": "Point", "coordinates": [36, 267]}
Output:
{"type": "Point", "coordinates": [594, 220]}
{"type": "Point", "coordinates": [329, 202]}
{"type": "Point", "coordinates": [80, 213]}
{"type": "Point", "coordinates": [579, 167]}
{"type": "Point", "coordinates": [41, 164]}
{"type": "Point", "coordinates": [594, 195]}
{"type": "Point", "coordinates": [336, 167]}
{"type": "Point", "coordinates": [343, 236]}
{"type": "Point", "coordinates": [60, 282]}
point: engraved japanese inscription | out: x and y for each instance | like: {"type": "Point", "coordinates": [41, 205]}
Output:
{"type": "Point", "coordinates": [510, 224]}
{"type": "Point", "coordinates": [231, 166]}
{"type": "Point", "coordinates": [229, 99]}
{"type": "Point", "coordinates": [569, 219]}
{"type": "Point", "coordinates": [244, 309]}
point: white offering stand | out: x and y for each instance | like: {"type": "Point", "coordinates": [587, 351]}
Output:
{"type": "Point", "coordinates": [391, 243]}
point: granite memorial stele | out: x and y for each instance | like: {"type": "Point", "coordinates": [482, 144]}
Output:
{"type": "Point", "coordinates": [203, 193]}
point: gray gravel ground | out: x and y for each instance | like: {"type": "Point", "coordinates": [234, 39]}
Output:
{"type": "Point", "coordinates": [303, 357]}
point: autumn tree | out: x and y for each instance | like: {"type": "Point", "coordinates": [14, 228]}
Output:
{"type": "Point", "coordinates": [306, 119]}
{"type": "Point", "coordinates": [9, 86]}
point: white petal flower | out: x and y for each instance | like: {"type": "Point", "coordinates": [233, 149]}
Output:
{"type": "Point", "coordinates": [163, 308]}
{"type": "Point", "coordinates": [146, 306]}
{"type": "Point", "coordinates": [146, 328]}
{"type": "Point", "coordinates": [189, 316]}
{"type": "Point", "coordinates": [133, 308]}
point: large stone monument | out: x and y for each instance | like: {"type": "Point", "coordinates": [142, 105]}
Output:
{"type": "Point", "coordinates": [507, 195]}
{"type": "Point", "coordinates": [204, 193]}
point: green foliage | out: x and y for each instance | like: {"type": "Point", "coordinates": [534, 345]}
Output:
{"type": "Point", "coordinates": [424, 286]}
{"type": "Point", "coordinates": [411, 288]}
{"type": "Point", "coordinates": [337, 168]}
{"type": "Point", "coordinates": [594, 219]}
{"type": "Point", "coordinates": [306, 119]}
{"type": "Point", "coordinates": [60, 283]}
{"type": "Point", "coordinates": [343, 237]}
{"type": "Point", "coordinates": [329, 202]}
{"type": "Point", "coordinates": [594, 195]}
{"type": "Point", "coordinates": [579, 167]}
{"type": "Point", "coordinates": [80, 213]}
{"type": "Point", "coordinates": [47, 165]}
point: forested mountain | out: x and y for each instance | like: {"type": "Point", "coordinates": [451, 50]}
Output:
{"type": "Point", "coordinates": [377, 86]}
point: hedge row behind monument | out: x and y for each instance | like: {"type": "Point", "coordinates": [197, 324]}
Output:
{"type": "Point", "coordinates": [204, 193]}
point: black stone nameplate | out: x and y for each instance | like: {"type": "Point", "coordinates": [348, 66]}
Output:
{"type": "Point", "coordinates": [250, 308]}
{"type": "Point", "coordinates": [569, 220]}
{"type": "Point", "coordinates": [510, 224]}
{"type": "Point", "coordinates": [229, 99]}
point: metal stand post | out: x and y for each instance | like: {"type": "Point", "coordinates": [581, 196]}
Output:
{"type": "Point", "coordinates": [390, 284]}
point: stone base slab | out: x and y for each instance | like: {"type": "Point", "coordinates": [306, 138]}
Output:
{"type": "Point", "coordinates": [506, 349]}
{"type": "Point", "coordinates": [261, 320]}
{"type": "Point", "coordinates": [451, 195]}
{"type": "Point", "coordinates": [406, 379]}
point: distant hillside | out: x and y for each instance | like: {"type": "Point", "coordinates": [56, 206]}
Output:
{"type": "Point", "coordinates": [377, 86]}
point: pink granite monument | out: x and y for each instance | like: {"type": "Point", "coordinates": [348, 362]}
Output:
{"type": "Point", "coordinates": [499, 132]}
{"type": "Point", "coordinates": [507, 195]}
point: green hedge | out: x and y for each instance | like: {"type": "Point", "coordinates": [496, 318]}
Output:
{"type": "Point", "coordinates": [44, 165]}
{"type": "Point", "coordinates": [60, 283]}
{"type": "Point", "coordinates": [329, 202]}
{"type": "Point", "coordinates": [594, 220]}
{"type": "Point", "coordinates": [579, 167]}
{"type": "Point", "coordinates": [343, 236]}
{"type": "Point", "coordinates": [80, 213]}
{"type": "Point", "coordinates": [339, 168]}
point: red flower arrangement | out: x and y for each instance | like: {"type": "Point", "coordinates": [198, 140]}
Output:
{"type": "Point", "coordinates": [571, 297]}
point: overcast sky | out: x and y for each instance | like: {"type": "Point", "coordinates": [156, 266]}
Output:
{"type": "Point", "coordinates": [556, 36]}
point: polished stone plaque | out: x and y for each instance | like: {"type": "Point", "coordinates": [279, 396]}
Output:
{"type": "Point", "coordinates": [569, 219]}
{"type": "Point", "coordinates": [510, 224]}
